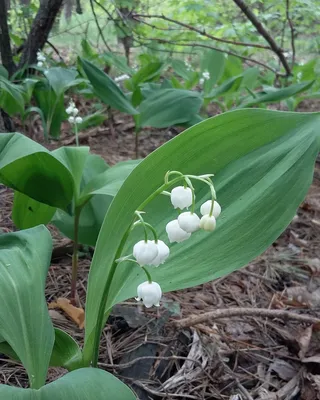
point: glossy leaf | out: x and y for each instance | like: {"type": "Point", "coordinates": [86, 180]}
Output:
{"type": "Point", "coordinates": [24, 319]}
{"type": "Point", "coordinates": [61, 79]}
{"type": "Point", "coordinates": [214, 62]}
{"type": "Point", "coordinates": [27, 212]}
{"type": "Point", "coordinates": [263, 164]}
{"type": "Point", "coordinates": [168, 107]}
{"type": "Point", "coordinates": [106, 89]}
{"type": "Point", "coordinates": [82, 384]}
{"type": "Point", "coordinates": [11, 99]}
{"type": "Point", "coordinates": [147, 73]}
{"type": "Point", "coordinates": [230, 85]}
{"type": "Point", "coordinates": [29, 168]}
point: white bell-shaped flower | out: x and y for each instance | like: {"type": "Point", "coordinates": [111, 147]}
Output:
{"type": "Point", "coordinates": [69, 110]}
{"type": "Point", "coordinates": [189, 221]}
{"type": "Point", "coordinates": [208, 223]}
{"type": "Point", "coordinates": [150, 293]}
{"type": "Point", "coordinates": [145, 252]}
{"type": "Point", "coordinates": [40, 64]}
{"type": "Point", "coordinates": [206, 207]}
{"type": "Point", "coordinates": [181, 197]}
{"type": "Point", "coordinates": [175, 233]}
{"type": "Point", "coordinates": [163, 253]}
{"type": "Point", "coordinates": [206, 75]}
{"type": "Point", "coordinates": [71, 120]}
{"type": "Point", "coordinates": [78, 120]}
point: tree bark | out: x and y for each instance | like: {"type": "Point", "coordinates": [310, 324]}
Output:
{"type": "Point", "coordinates": [40, 30]}
{"type": "Point", "coordinates": [5, 47]}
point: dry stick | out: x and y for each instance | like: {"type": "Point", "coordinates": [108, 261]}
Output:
{"type": "Point", "coordinates": [262, 30]}
{"type": "Point", "coordinates": [98, 26]}
{"type": "Point", "coordinates": [55, 50]}
{"type": "Point", "coordinates": [201, 32]}
{"type": "Point", "coordinates": [243, 312]}
{"type": "Point", "coordinates": [293, 47]}
{"type": "Point", "coordinates": [230, 53]}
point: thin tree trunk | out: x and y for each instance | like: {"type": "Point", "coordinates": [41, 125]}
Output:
{"type": "Point", "coordinates": [40, 30]}
{"type": "Point", "coordinates": [5, 48]}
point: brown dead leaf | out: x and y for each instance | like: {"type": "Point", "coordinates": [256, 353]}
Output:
{"type": "Point", "coordinates": [297, 241]}
{"type": "Point", "coordinates": [310, 387]}
{"type": "Point", "coordinates": [302, 295]}
{"type": "Point", "coordinates": [75, 313]}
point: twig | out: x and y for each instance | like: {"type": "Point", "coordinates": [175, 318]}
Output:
{"type": "Point", "coordinates": [293, 47]}
{"type": "Point", "coordinates": [265, 34]}
{"type": "Point", "coordinates": [162, 394]}
{"type": "Point", "coordinates": [201, 32]}
{"type": "Point", "coordinates": [5, 45]}
{"type": "Point", "coordinates": [230, 53]}
{"type": "Point", "coordinates": [55, 50]}
{"type": "Point", "coordinates": [243, 312]}
{"type": "Point", "coordinates": [98, 26]}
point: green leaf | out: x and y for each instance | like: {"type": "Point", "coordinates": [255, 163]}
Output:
{"type": "Point", "coordinates": [11, 99]}
{"type": "Point", "coordinates": [106, 89]}
{"type": "Point", "coordinates": [24, 319]}
{"type": "Point", "coordinates": [82, 384]}
{"type": "Point", "coordinates": [181, 69]}
{"type": "Point", "coordinates": [250, 77]}
{"type": "Point", "coordinates": [117, 61]}
{"type": "Point", "coordinates": [214, 62]}
{"type": "Point", "coordinates": [29, 168]}
{"type": "Point", "coordinates": [263, 164]}
{"type": "Point", "coordinates": [92, 120]}
{"type": "Point", "coordinates": [60, 79]}
{"type": "Point", "coordinates": [42, 116]}
{"type": "Point", "coordinates": [27, 212]}
{"type": "Point", "coordinates": [168, 107]}
{"type": "Point", "coordinates": [65, 353]}
{"type": "Point", "coordinates": [147, 73]}
{"type": "Point", "coordinates": [230, 85]}
{"type": "Point", "coordinates": [3, 72]}
{"type": "Point", "coordinates": [277, 95]}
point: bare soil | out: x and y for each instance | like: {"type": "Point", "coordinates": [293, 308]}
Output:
{"type": "Point", "coordinates": [238, 357]}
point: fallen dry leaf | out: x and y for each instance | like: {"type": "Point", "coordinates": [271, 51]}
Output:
{"type": "Point", "coordinates": [75, 313]}
{"type": "Point", "coordinates": [283, 369]}
{"type": "Point", "coordinates": [304, 341]}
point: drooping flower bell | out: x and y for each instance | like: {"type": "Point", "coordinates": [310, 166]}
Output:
{"type": "Point", "coordinates": [208, 223]}
{"type": "Point", "coordinates": [206, 207]}
{"type": "Point", "coordinates": [189, 221]}
{"type": "Point", "coordinates": [150, 293]}
{"type": "Point", "coordinates": [181, 197]}
{"type": "Point", "coordinates": [145, 252]}
{"type": "Point", "coordinates": [175, 233]}
{"type": "Point", "coordinates": [163, 253]}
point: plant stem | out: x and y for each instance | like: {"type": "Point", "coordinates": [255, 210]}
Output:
{"type": "Point", "coordinates": [76, 133]}
{"type": "Point", "coordinates": [136, 144]}
{"type": "Point", "coordinates": [75, 256]}
{"type": "Point", "coordinates": [148, 274]}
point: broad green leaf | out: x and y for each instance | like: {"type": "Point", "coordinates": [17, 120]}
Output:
{"type": "Point", "coordinates": [11, 99]}
{"type": "Point", "coordinates": [233, 67]}
{"type": "Point", "coordinates": [117, 61]}
{"type": "Point", "coordinates": [263, 164]}
{"type": "Point", "coordinates": [24, 319]}
{"type": "Point", "coordinates": [147, 73]}
{"type": "Point", "coordinates": [65, 353]}
{"type": "Point", "coordinates": [27, 212]}
{"type": "Point", "coordinates": [277, 95]}
{"type": "Point", "coordinates": [214, 62]}
{"type": "Point", "coordinates": [91, 120]}
{"type": "Point", "coordinates": [229, 85]}
{"type": "Point", "coordinates": [250, 77]}
{"type": "Point", "coordinates": [3, 72]}
{"type": "Point", "coordinates": [181, 69]}
{"type": "Point", "coordinates": [106, 89]}
{"type": "Point", "coordinates": [29, 168]}
{"type": "Point", "coordinates": [92, 213]}
{"type": "Point", "coordinates": [82, 384]}
{"type": "Point", "coordinates": [168, 107]}
{"type": "Point", "coordinates": [60, 79]}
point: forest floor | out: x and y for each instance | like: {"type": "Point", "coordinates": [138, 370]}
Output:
{"type": "Point", "coordinates": [245, 353]}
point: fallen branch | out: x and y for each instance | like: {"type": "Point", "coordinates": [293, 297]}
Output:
{"type": "Point", "coordinates": [244, 312]}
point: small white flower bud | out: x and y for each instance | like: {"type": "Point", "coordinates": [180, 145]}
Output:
{"type": "Point", "coordinates": [208, 223]}
{"type": "Point", "coordinates": [189, 222]}
{"type": "Point", "coordinates": [206, 207]}
{"type": "Point", "coordinates": [71, 120]}
{"type": "Point", "coordinates": [78, 120]}
{"type": "Point", "coordinates": [69, 110]}
{"type": "Point", "coordinates": [206, 75]}
{"type": "Point", "coordinates": [149, 293]}
{"type": "Point", "coordinates": [181, 197]}
{"type": "Point", "coordinates": [201, 81]}
{"type": "Point", "coordinates": [75, 111]}
{"type": "Point", "coordinates": [163, 253]}
{"type": "Point", "coordinates": [40, 64]}
{"type": "Point", "coordinates": [175, 233]}
{"type": "Point", "coordinates": [145, 252]}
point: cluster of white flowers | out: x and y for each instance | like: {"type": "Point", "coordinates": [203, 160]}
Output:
{"type": "Point", "coordinates": [155, 252]}
{"type": "Point", "coordinates": [121, 78]}
{"type": "Point", "coordinates": [41, 58]}
{"type": "Point", "coordinates": [205, 77]}
{"type": "Point", "coordinates": [73, 112]}
{"type": "Point", "coordinates": [189, 66]}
